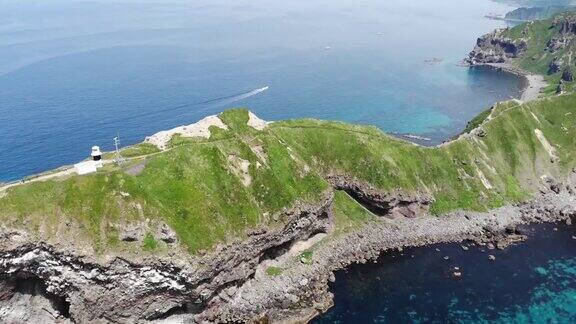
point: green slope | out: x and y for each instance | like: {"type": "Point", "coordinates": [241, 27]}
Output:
{"type": "Point", "coordinates": [199, 189]}
{"type": "Point", "coordinates": [541, 53]}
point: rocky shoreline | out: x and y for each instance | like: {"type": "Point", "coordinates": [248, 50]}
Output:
{"type": "Point", "coordinates": [533, 83]}
{"type": "Point", "coordinates": [225, 286]}
{"type": "Point", "coordinates": [60, 283]}
{"type": "Point", "coordinates": [41, 282]}
{"type": "Point", "coordinates": [302, 292]}
{"type": "Point", "coordinates": [495, 50]}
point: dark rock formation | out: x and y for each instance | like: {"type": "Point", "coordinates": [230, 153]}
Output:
{"type": "Point", "coordinates": [567, 75]}
{"type": "Point", "coordinates": [494, 48]}
{"type": "Point", "coordinates": [222, 286]}
{"type": "Point", "coordinates": [27, 301]}
{"type": "Point", "coordinates": [566, 24]}
{"type": "Point", "coordinates": [383, 204]}
{"type": "Point", "coordinates": [555, 66]}
{"type": "Point", "coordinates": [559, 42]}
{"type": "Point", "coordinates": [560, 88]}
{"type": "Point", "coordinates": [120, 289]}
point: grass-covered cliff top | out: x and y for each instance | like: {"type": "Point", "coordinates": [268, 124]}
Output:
{"type": "Point", "coordinates": [215, 189]}
{"type": "Point", "coordinates": [550, 47]}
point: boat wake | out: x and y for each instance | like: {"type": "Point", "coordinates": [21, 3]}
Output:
{"type": "Point", "coordinates": [201, 106]}
{"type": "Point", "coordinates": [237, 97]}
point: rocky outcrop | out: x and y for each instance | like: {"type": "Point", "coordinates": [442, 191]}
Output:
{"type": "Point", "coordinates": [495, 48]}
{"type": "Point", "coordinates": [392, 204]}
{"type": "Point", "coordinates": [123, 290]}
{"type": "Point", "coordinates": [224, 285]}
{"type": "Point", "coordinates": [567, 75]}
{"type": "Point", "coordinates": [556, 65]}
{"type": "Point", "coordinates": [27, 301]}
{"type": "Point", "coordinates": [559, 42]}
{"type": "Point", "coordinates": [302, 291]}
{"type": "Point", "coordinates": [566, 27]}
{"type": "Point", "coordinates": [566, 24]}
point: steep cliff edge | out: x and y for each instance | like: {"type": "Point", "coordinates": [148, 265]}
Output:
{"type": "Point", "coordinates": [247, 222]}
{"type": "Point", "coordinates": [545, 47]}
{"type": "Point", "coordinates": [233, 219]}
{"type": "Point", "coordinates": [496, 47]}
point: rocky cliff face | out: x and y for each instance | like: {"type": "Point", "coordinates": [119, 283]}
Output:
{"type": "Point", "coordinates": [45, 285]}
{"type": "Point", "coordinates": [395, 204]}
{"type": "Point", "coordinates": [566, 26]}
{"type": "Point", "coordinates": [124, 290]}
{"type": "Point", "coordinates": [81, 289]}
{"type": "Point", "coordinates": [302, 291]}
{"type": "Point", "coordinates": [40, 282]}
{"type": "Point", "coordinates": [496, 48]}
{"type": "Point", "coordinates": [551, 43]}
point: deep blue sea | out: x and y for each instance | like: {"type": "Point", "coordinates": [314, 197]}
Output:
{"type": "Point", "coordinates": [532, 282]}
{"type": "Point", "coordinates": [76, 73]}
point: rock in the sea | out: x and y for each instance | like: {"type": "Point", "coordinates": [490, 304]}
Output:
{"type": "Point", "coordinates": [332, 278]}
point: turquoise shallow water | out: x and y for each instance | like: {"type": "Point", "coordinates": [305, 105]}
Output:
{"type": "Point", "coordinates": [551, 302]}
{"type": "Point", "coordinates": [532, 282]}
{"type": "Point", "coordinates": [75, 73]}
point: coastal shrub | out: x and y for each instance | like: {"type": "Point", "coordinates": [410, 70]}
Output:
{"type": "Point", "coordinates": [274, 271]}
{"type": "Point", "coordinates": [139, 150]}
{"type": "Point", "coordinates": [477, 121]}
{"type": "Point", "coordinates": [349, 214]}
{"type": "Point", "coordinates": [306, 257]}
{"type": "Point", "coordinates": [149, 243]}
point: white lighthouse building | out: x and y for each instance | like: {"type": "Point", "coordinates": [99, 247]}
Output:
{"type": "Point", "coordinates": [96, 154]}
{"type": "Point", "coordinates": [92, 165]}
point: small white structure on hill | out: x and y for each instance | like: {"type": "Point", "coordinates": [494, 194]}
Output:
{"type": "Point", "coordinates": [86, 167]}
{"type": "Point", "coordinates": [90, 166]}
{"type": "Point", "coordinates": [96, 154]}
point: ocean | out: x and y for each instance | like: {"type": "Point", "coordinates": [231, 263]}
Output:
{"type": "Point", "coordinates": [76, 73]}
{"type": "Point", "coordinates": [530, 282]}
